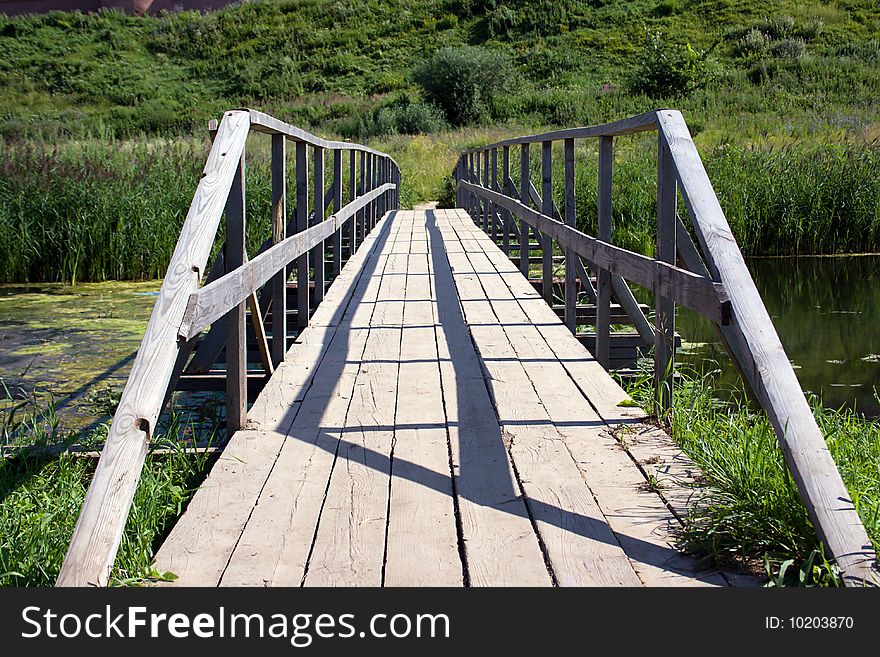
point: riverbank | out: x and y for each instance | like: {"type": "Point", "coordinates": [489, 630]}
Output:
{"type": "Point", "coordinates": [747, 511]}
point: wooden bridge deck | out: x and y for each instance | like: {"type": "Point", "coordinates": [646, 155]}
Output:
{"type": "Point", "coordinates": [436, 424]}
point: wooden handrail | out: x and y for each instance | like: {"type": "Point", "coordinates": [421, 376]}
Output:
{"type": "Point", "coordinates": [640, 123]}
{"type": "Point", "coordinates": [214, 300]}
{"type": "Point", "coordinates": [182, 310]}
{"type": "Point", "coordinates": [821, 487]}
{"type": "Point", "coordinates": [699, 293]}
{"type": "Point", "coordinates": [719, 288]}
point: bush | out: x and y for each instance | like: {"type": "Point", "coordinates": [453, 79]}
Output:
{"type": "Point", "coordinates": [463, 82]}
{"type": "Point", "coordinates": [667, 69]}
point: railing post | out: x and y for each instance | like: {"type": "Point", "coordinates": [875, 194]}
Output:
{"type": "Point", "coordinates": [279, 232]}
{"type": "Point", "coordinates": [302, 223]}
{"type": "Point", "coordinates": [485, 181]}
{"type": "Point", "coordinates": [236, 336]}
{"type": "Point", "coordinates": [337, 206]}
{"type": "Point", "coordinates": [664, 312]}
{"type": "Point", "coordinates": [368, 218]}
{"type": "Point", "coordinates": [472, 198]}
{"type": "Point", "coordinates": [362, 213]}
{"type": "Point", "coordinates": [351, 225]}
{"type": "Point", "coordinates": [570, 218]}
{"type": "Point", "coordinates": [603, 292]}
{"type": "Point", "coordinates": [505, 213]}
{"type": "Point", "coordinates": [493, 211]}
{"type": "Point", "coordinates": [524, 176]}
{"type": "Point", "coordinates": [318, 251]}
{"type": "Point", "coordinates": [547, 203]}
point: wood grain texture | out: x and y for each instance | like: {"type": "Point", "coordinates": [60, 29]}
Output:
{"type": "Point", "coordinates": [701, 295]}
{"type": "Point", "coordinates": [279, 234]}
{"type": "Point", "coordinates": [102, 518]}
{"type": "Point", "coordinates": [664, 305]}
{"type": "Point", "coordinates": [821, 488]}
{"type": "Point", "coordinates": [215, 299]}
{"type": "Point", "coordinates": [604, 233]}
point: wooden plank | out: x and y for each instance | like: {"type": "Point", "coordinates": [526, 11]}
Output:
{"type": "Point", "coordinates": [102, 518]}
{"type": "Point", "coordinates": [493, 219]}
{"type": "Point", "coordinates": [236, 338]}
{"type": "Point", "coordinates": [290, 502]}
{"type": "Point", "coordinates": [422, 548]}
{"type": "Point", "coordinates": [822, 490]}
{"type": "Point", "coordinates": [500, 545]}
{"type": "Point", "coordinates": [547, 208]}
{"type": "Point", "coordinates": [690, 290]}
{"type": "Point", "coordinates": [279, 234]}
{"type": "Point", "coordinates": [352, 231]}
{"type": "Point", "coordinates": [337, 206]}
{"type": "Point", "coordinates": [318, 250]}
{"type": "Point", "coordinates": [212, 301]}
{"type": "Point", "coordinates": [581, 547]}
{"type": "Point", "coordinates": [664, 306]}
{"type": "Point", "coordinates": [302, 224]}
{"type": "Point", "coordinates": [604, 233]}
{"type": "Point", "coordinates": [349, 543]}
{"type": "Point", "coordinates": [261, 122]}
{"type": "Point", "coordinates": [570, 291]}
{"type": "Point", "coordinates": [524, 184]}
{"type": "Point", "coordinates": [506, 218]}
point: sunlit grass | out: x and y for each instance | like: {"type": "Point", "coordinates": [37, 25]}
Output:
{"type": "Point", "coordinates": [749, 511]}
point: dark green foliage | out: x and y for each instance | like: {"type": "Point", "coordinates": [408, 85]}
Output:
{"type": "Point", "coordinates": [463, 81]}
{"type": "Point", "coordinates": [667, 69]}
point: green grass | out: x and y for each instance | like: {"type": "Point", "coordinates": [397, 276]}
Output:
{"type": "Point", "coordinates": [41, 496]}
{"type": "Point", "coordinates": [102, 116]}
{"type": "Point", "coordinates": [748, 511]}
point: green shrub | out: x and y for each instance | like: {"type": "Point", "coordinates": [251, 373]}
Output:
{"type": "Point", "coordinates": [463, 81]}
{"type": "Point", "coordinates": [667, 69]}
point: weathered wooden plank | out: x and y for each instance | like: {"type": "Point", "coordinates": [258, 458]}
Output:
{"type": "Point", "coordinates": [604, 233]}
{"type": "Point", "coordinates": [104, 512]}
{"type": "Point", "coordinates": [422, 547]}
{"type": "Point", "coordinates": [499, 543]}
{"type": "Point", "coordinates": [825, 496]}
{"type": "Point", "coordinates": [348, 548]}
{"type": "Point", "coordinates": [318, 250]}
{"type": "Point", "coordinates": [215, 299]}
{"type": "Point", "coordinates": [690, 290]}
{"type": "Point", "coordinates": [336, 188]}
{"type": "Point", "coordinates": [524, 184]}
{"type": "Point", "coordinates": [547, 208]}
{"type": "Point", "coordinates": [664, 306]}
{"type": "Point", "coordinates": [581, 547]}
{"type": "Point", "coordinates": [628, 126]}
{"type": "Point", "coordinates": [279, 234]}
{"type": "Point", "coordinates": [291, 500]}
{"type": "Point", "coordinates": [302, 224]}
{"type": "Point", "coordinates": [570, 291]}
{"type": "Point", "coordinates": [261, 122]}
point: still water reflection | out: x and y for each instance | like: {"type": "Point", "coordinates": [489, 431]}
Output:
{"type": "Point", "coordinates": [827, 313]}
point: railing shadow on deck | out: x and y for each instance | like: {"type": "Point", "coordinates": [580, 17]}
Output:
{"type": "Point", "coordinates": [714, 282]}
{"type": "Point", "coordinates": [184, 309]}
{"type": "Point", "coordinates": [483, 476]}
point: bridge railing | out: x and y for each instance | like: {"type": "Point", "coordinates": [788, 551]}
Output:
{"type": "Point", "coordinates": [184, 308]}
{"type": "Point", "coordinates": [714, 282]}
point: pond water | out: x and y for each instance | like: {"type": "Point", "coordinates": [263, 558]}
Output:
{"type": "Point", "coordinates": [827, 313]}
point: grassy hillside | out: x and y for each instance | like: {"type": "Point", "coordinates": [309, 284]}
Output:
{"type": "Point", "coordinates": [790, 69]}
{"type": "Point", "coordinates": [783, 99]}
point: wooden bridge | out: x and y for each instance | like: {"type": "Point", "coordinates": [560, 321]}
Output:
{"type": "Point", "coordinates": [424, 412]}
